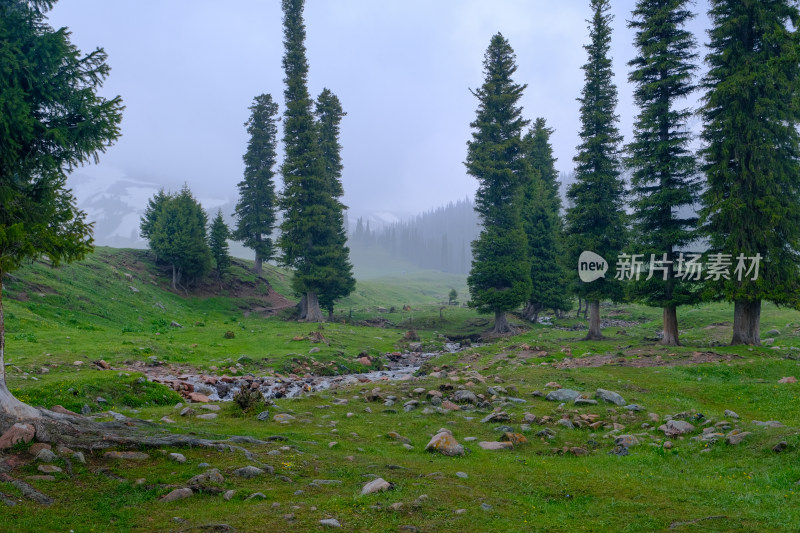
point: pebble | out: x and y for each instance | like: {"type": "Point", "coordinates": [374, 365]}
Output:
{"type": "Point", "coordinates": [330, 522]}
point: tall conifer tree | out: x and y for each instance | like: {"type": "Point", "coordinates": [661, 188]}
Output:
{"type": "Point", "coordinates": [312, 216]}
{"type": "Point", "coordinates": [595, 222]}
{"type": "Point", "coordinates": [664, 185]}
{"type": "Point", "coordinates": [255, 210]}
{"type": "Point", "coordinates": [751, 205]}
{"type": "Point", "coordinates": [541, 215]}
{"type": "Point", "coordinates": [218, 236]}
{"type": "Point", "coordinates": [499, 280]}
{"type": "Point", "coordinates": [338, 281]}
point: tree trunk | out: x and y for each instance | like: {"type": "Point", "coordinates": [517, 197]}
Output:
{"type": "Point", "coordinates": [302, 307]}
{"type": "Point", "coordinates": [330, 314]}
{"type": "Point", "coordinates": [314, 313]}
{"type": "Point", "coordinates": [8, 404]}
{"type": "Point", "coordinates": [580, 304]}
{"type": "Point", "coordinates": [670, 327]}
{"type": "Point", "coordinates": [257, 267]}
{"type": "Point", "coordinates": [501, 324]}
{"type": "Point", "coordinates": [594, 321]}
{"type": "Point", "coordinates": [746, 322]}
{"type": "Point", "coordinates": [174, 278]}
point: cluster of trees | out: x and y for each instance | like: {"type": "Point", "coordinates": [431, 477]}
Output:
{"type": "Point", "coordinates": [438, 239]}
{"type": "Point", "coordinates": [312, 238]}
{"type": "Point", "coordinates": [749, 202]}
{"type": "Point", "coordinates": [177, 229]}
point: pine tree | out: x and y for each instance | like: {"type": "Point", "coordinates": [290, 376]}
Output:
{"type": "Point", "coordinates": [218, 236]}
{"type": "Point", "coordinates": [51, 121]}
{"type": "Point", "coordinates": [595, 222]}
{"type": "Point", "coordinates": [751, 205]}
{"type": "Point", "coordinates": [255, 210]}
{"type": "Point", "coordinates": [338, 281]}
{"type": "Point", "coordinates": [541, 215]}
{"type": "Point", "coordinates": [179, 237]}
{"type": "Point", "coordinates": [499, 280]}
{"type": "Point", "coordinates": [664, 185]}
{"type": "Point", "coordinates": [151, 212]}
{"type": "Point", "coordinates": [312, 216]}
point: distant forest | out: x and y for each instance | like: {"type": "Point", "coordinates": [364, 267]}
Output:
{"type": "Point", "coordinates": [439, 239]}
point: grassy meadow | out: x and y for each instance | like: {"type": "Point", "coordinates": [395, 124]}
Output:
{"type": "Point", "coordinates": [116, 306]}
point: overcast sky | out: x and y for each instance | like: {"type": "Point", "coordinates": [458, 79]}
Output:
{"type": "Point", "coordinates": [187, 71]}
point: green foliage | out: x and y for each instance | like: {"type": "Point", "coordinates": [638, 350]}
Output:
{"type": "Point", "coordinates": [500, 276]}
{"type": "Point", "coordinates": [155, 206]}
{"type": "Point", "coordinates": [751, 204]}
{"type": "Point", "coordinates": [178, 236]}
{"type": "Point", "coordinates": [541, 214]}
{"type": "Point", "coordinates": [595, 221]}
{"type": "Point", "coordinates": [664, 185]}
{"type": "Point", "coordinates": [218, 243]}
{"type": "Point", "coordinates": [51, 120]}
{"type": "Point", "coordinates": [249, 399]}
{"type": "Point", "coordinates": [255, 210]}
{"type": "Point", "coordinates": [452, 297]}
{"type": "Point", "coordinates": [312, 232]}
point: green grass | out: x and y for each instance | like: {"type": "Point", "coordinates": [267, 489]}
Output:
{"type": "Point", "coordinates": [87, 312]}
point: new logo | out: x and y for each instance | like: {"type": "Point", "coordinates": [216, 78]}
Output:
{"type": "Point", "coordinates": [591, 266]}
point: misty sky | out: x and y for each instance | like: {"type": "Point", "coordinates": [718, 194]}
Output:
{"type": "Point", "coordinates": [187, 71]}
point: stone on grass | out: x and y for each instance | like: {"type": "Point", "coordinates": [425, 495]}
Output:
{"type": "Point", "coordinates": [676, 427]}
{"type": "Point", "coordinates": [462, 396]}
{"type": "Point", "coordinates": [788, 379]}
{"type": "Point", "coordinates": [562, 395]}
{"type": "Point", "coordinates": [736, 436]}
{"type": "Point", "coordinates": [167, 420]}
{"type": "Point", "coordinates": [228, 495]}
{"type": "Point", "coordinates": [376, 485]}
{"type": "Point", "coordinates": [283, 417]}
{"type": "Point", "coordinates": [500, 416]}
{"type": "Point", "coordinates": [210, 476]}
{"type": "Point", "coordinates": [49, 469]}
{"type": "Point", "coordinates": [198, 397]}
{"type": "Point", "coordinates": [45, 455]}
{"type": "Point", "coordinates": [626, 440]}
{"type": "Point", "coordinates": [178, 494]}
{"type": "Point", "coordinates": [263, 416]}
{"type": "Point", "coordinates": [610, 397]}
{"type": "Point", "coordinates": [330, 522]}
{"type": "Point", "coordinates": [133, 456]}
{"type": "Point", "coordinates": [207, 416]}
{"type": "Point", "coordinates": [248, 472]}
{"type": "Point", "coordinates": [634, 407]}
{"type": "Point", "coordinates": [566, 423]}
{"type": "Point", "coordinates": [446, 444]}
{"type": "Point", "coordinates": [177, 457]}
{"type": "Point", "coordinates": [494, 445]}
{"type": "Point", "coordinates": [17, 433]}
{"type": "Point", "coordinates": [514, 438]}
{"type": "Point", "coordinates": [256, 496]}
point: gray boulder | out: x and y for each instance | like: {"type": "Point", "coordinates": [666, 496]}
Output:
{"type": "Point", "coordinates": [562, 395]}
{"type": "Point", "coordinates": [610, 397]}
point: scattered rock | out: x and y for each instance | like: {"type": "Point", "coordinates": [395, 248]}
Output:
{"type": "Point", "coordinates": [789, 379]}
{"type": "Point", "coordinates": [283, 418]}
{"type": "Point", "coordinates": [178, 494]}
{"type": "Point", "coordinates": [500, 416]}
{"type": "Point", "coordinates": [330, 522]}
{"type": "Point", "coordinates": [133, 456]}
{"type": "Point", "coordinates": [207, 416]}
{"type": "Point", "coordinates": [627, 441]}
{"type": "Point", "coordinates": [552, 385]}
{"type": "Point", "coordinates": [465, 396]}
{"type": "Point", "coordinates": [514, 438]}
{"type": "Point", "coordinates": [228, 495]}
{"type": "Point", "coordinates": [446, 444]}
{"type": "Point", "coordinates": [579, 452]}
{"type": "Point", "coordinates": [263, 416]}
{"type": "Point", "coordinates": [177, 457]}
{"type": "Point", "coordinates": [566, 423]}
{"type": "Point", "coordinates": [730, 414]}
{"type": "Point", "coordinates": [610, 397]}
{"type": "Point", "coordinates": [562, 395]}
{"type": "Point", "coordinates": [494, 445]}
{"type": "Point", "coordinates": [248, 472]}
{"type": "Point", "coordinates": [585, 401]}
{"type": "Point", "coordinates": [376, 485]}
{"type": "Point", "coordinates": [735, 436]}
{"type": "Point", "coordinates": [781, 446]}
{"type": "Point", "coordinates": [676, 427]}
{"type": "Point", "coordinates": [17, 433]}
{"type": "Point", "coordinates": [49, 469]}
{"type": "Point", "coordinates": [634, 407]}
{"type": "Point", "coordinates": [256, 496]}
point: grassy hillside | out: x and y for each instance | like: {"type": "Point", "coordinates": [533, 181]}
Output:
{"type": "Point", "coordinates": [561, 479]}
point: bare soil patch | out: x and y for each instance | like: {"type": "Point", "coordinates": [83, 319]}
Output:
{"type": "Point", "coordinates": [646, 359]}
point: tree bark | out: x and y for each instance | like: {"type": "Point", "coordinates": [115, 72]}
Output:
{"type": "Point", "coordinates": [302, 307]}
{"type": "Point", "coordinates": [501, 323]}
{"type": "Point", "coordinates": [257, 267]}
{"type": "Point", "coordinates": [746, 322]}
{"type": "Point", "coordinates": [174, 278]}
{"type": "Point", "coordinates": [314, 313]}
{"type": "Point", "coordinates": [8, 404]}
{"type": "Point", "coordinates": [594, 321]}
{"type": "Point", "coordinates": [670, 327]}
{"type": "Point", "coordinates": [580, 304]}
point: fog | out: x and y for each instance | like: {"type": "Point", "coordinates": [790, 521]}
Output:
{"type": "Point", "coordinates": [188, 70]}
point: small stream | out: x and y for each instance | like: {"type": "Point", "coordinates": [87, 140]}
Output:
{"type": "Point", "coordinates": [400, 367]}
